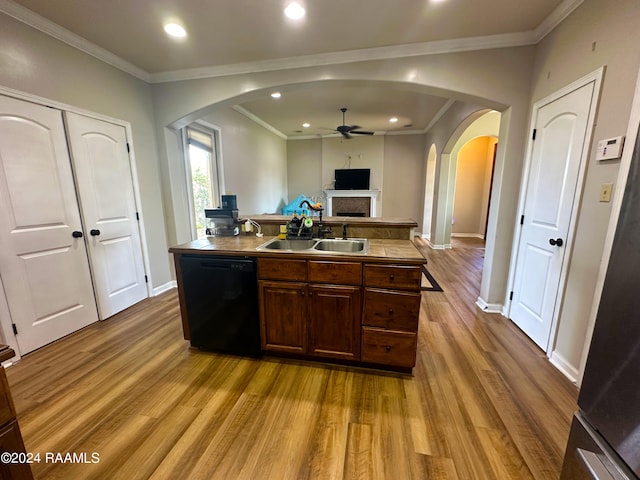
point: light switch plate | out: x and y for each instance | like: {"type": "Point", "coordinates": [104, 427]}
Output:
{"type": "Point", "coordinates": [605, 192]}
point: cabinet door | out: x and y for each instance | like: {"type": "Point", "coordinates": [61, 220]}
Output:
{"type": "Point", "coordinates": [283, 315]}
{"type": "Point", "coordinates": [334, 329]}
{"type": "Point", "coordinates": [11, 441]}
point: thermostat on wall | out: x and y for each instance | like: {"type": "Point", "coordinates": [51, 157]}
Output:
{"type": "Point", "coordinates": [610, 148]}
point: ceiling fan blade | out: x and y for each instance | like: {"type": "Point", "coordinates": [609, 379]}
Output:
{"type": "Point", "coordinates": [346, 135]}
{"type": "Point", "coordinates": [361, 132]}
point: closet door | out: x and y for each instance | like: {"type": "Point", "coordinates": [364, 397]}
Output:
{"type": "Point", "coordinates": [105, 187]}
{"type": "Point", "coordinates": [43, 261]}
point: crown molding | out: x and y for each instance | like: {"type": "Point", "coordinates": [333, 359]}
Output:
{"type": "Point", "coordinates": [259, 121]}
{"type": "Point", "coordinates": [361, 55]}
{"type": "Point", "coordinates": [556, 17]}
{"type": "Point", "coordinates": [351, 56]}
{"type": "Point", "coordinates": [54, 30]}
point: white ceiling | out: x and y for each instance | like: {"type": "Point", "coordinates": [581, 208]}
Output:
{"type": "Point", "coordinates": [235, 36]}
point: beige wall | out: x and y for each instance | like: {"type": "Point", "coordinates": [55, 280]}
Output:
{"type": "Point", "coordinates": [35, 63]}
{"type": "Point", "coordinates": [404, 174]}
{"type": "Point", "coordinates": [304, 168]}
{"type": "Point", "coordinates": [254, 162]}
{"type": "Point", "coordinates": [397, 165]}
{"type": "Point", "coordinates": [565, 55]}
{"type": "Point", "coordinates": [472, 185]}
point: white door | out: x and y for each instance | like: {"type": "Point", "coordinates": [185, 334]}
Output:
{"type": "Point", "coordinates": [44, 267]}
{"type": "Point", "coordinates": [105, 187]}
{"type": "Point", "coordinates": [561, 130]}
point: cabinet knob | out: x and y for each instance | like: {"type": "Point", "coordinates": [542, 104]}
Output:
{"type": "Point", "coordinates": [388, 348]}
{"type": "Point", "coordinates": [391, 277]}
{"type": "Point", "coordinates": [391, 311]}
{"type": "Point", "coordinates": [302, 293]}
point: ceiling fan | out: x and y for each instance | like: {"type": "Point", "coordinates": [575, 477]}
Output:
{"type": "Point", "coordinates": [347, 130]}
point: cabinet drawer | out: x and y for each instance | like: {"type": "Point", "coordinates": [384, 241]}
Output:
{"type": "Point", "coordinates": [282, 269]}
{"type": "Point", "coordinates": [344, 273]}
{"type": "Point", "coordinates": [389, 348]}
{"type": "Point", "coordinates": [391, 309]}
{"type": "Point", "coordinates": [393, 276]}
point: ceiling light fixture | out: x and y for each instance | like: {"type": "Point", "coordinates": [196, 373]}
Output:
{"type": "Point", "coordinates": [294, 11]}
{"type": "Point", "coordinates": [393, 119]}
{"type": "Point", "coordinates": [175, 30]}
{"type": "Point", "coordinates": [306, 125]}
{"type": "Point", "coordinates": [276, 95]}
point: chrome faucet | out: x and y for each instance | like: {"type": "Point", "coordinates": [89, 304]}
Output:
{"type": "Point", "coordinates": [344, 231]}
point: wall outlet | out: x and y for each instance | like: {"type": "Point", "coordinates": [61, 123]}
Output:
{"type": "Point", "coordinates": [605, 192]}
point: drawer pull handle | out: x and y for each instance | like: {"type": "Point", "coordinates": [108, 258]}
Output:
{"type": "Point", "coordinates": [388, 348]}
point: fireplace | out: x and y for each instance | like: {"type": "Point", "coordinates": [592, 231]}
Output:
{"type": "Point", "coordinates": [351, 203]}
{"type": "Point", "coordinates": [351, 206]}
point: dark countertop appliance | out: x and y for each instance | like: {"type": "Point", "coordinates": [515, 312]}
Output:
{"type": "Point", "coordinates": [221, 222]}
{"type": "Point", "coordinates": [604, 442]}
{"type": "Point", "coordinates": [221, 300]}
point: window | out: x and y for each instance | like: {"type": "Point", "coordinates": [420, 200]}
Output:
{"type": "Point", "coordinates": [202, 174]}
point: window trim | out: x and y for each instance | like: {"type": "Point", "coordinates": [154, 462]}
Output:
{"type": "Point", "coordinates": [215, 166]}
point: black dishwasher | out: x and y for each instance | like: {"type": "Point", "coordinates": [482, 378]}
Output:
{"type": "Point", "coordinates": [221, 300]}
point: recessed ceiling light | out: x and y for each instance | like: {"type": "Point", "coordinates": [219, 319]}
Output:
{"type": "Point", "coordinates": [175, 30]}
{"type": "Point", "coordinates": [294, 11]}
{"type": "Point", "coordinates": [306, 125]}
{"type": "Point", "coordinates": [393, 119]}
{"type": "Point", "coordinates": [276, 94]}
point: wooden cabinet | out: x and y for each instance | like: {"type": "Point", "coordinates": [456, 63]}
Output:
{"type": "Point", "coordinates": [390, 314]}
{"type": "Point", "coordinates": [283, 316]}
{"type": "Point", "coordinates": [334, 321]}
{"type": "Point", "coordinates": [319, 319]}
{"type": "Point", "coordinates": [10, 437]}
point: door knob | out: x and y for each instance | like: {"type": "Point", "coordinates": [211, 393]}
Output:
{"type": "Point", "coordinates": [76, 234]}
{"type": "Point", "coordinates": [94, 232]}
{"type": "Point", "coordinates": [556, 243]}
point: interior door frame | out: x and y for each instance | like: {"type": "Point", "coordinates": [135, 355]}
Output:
{"type": "Point", "coordinates": [5, 315]}
{"type": "Point", "coordinates": [595, 77]}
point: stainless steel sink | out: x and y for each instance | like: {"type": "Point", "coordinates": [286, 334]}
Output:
{"type": "Point", "coordinates": [318, 245]}
{"type": "Point", "coordinates": [278, 244]}
{"type": "Point", "coordinates": [339, 245]}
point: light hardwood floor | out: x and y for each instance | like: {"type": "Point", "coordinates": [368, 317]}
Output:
{"type": "Point", "coordinates": [483, 401]}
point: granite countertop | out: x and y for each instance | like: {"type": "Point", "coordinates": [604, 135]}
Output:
{"type": "Point", "coordinates": [380, 250]}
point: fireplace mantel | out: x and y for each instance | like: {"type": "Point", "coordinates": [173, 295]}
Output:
{"type": "Point", "coordinates": [371, 194]}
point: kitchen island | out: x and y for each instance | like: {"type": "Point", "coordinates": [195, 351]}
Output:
{"type": "Point", "coordinates": [357, 308]}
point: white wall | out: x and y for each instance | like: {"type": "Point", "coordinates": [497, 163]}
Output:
{"type": "Point", "coordinates": [35, 63]}
{"type": "Point", "coordinates": [254, 162]}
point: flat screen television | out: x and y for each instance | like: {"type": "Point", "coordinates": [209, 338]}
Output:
{"type": "Point", "coordinates": [352, 178]}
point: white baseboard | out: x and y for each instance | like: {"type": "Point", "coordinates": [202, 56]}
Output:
{"type": "Point", "coordinates": [489, 307]}
{"type": "Point", "coordinates": [468, 235]}
{"type": "Point", "coordinates": [165, 288]}
{"type": "Point", "coordinates": [565, 367]}
{"type": "Point", "coordinates": [436, 247]}
{"type": "Point", "coordinates": [426, 236]}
